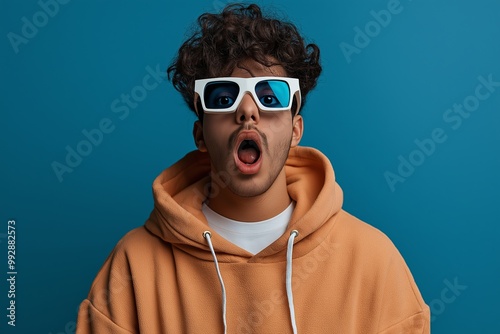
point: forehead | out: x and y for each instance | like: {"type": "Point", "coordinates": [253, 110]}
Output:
{"type": "Point", "coordinates": [251, 68]}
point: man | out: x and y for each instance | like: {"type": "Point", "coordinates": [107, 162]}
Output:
{"type": "Point", "coordinates": [247, 234]}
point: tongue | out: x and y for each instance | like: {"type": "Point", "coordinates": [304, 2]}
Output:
{"type": "Point", "coordinates": [248, 155]}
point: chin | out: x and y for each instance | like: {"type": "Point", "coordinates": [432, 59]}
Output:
{"type": "Point", "coordinates": [252, 185]}
{"type": "Point", "coordinates": [250, 191]}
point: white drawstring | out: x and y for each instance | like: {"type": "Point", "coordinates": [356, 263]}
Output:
{"type": "Point", "coordinates": [207, 235]}
{"type": "Point", "coordinates": [289, 292]}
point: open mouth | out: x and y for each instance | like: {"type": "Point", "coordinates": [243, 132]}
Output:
{"type": "Point", "coordinates": [248, 152]}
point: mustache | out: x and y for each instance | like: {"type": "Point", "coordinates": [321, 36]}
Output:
{"type": "Point", "coordinates": [235, 133]}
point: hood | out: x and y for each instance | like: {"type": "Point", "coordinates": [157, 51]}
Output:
{"type": "Point", "coordinates": [180, 190]}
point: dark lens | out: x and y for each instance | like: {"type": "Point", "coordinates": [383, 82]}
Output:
{"type": "Point", "coordinates": [273, 93]}
{"type": "Point", "coordinates": [220, 94]}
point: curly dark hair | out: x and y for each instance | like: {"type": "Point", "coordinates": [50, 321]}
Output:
{"type": "Point", "coordinates": [238, 33]}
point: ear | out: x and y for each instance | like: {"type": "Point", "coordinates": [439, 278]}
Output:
{"type": "Point", "coordinates": [297, 130]}
{"type": "Point", "coordinates": [199, 140]}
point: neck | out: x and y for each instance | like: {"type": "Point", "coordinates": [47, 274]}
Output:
{"type": "Point", "coordinates": [255, 208]}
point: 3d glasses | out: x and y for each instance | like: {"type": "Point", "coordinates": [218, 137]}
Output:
{"type": "Point", "coordinates": [223, 95]}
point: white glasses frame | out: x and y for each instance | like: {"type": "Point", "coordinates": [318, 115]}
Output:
{"type": "Point", "coordinates": [246, 85]}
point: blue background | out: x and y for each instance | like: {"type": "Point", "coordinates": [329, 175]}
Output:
{"type": "Point", "coordinates": [368, 109]}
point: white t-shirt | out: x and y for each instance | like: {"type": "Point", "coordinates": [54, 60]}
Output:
{"type": "Point", "coordinates": [251, 236]}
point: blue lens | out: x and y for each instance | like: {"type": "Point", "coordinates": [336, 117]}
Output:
{"type": "Point", "coordinates": [273, 93]}
{"type": "Point", "coordinates": [220, 94]}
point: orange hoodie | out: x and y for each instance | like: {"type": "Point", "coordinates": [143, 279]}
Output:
{"type": "Point", "coordinates": [344, 276]}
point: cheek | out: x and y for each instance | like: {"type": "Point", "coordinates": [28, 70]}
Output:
{"type": "Point", "coordinates": [213, 144]}
{"type": "Point", "coordinates": [214, 124]}
{"type": "Point", "coordinates": [216, 137]}
{"type": "Point", "coordinates": [278, 124]}
{"type": "Point", "coordinates": [278, 130]}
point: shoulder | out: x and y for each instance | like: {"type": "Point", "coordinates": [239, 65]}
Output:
{"type": "Point", "coordinates": [138, 245]}
{"type": "Point", "coordinates": [136, 251]}
{"type": "Point", "coordinates": [111, 301]}
{"type": "Point", "coordinates": [374, 263]}
{"type": "Point", "coordinates": [368, 252]}
{"type": "Point", "coordinates": [139, 237]}
{"type": "Point", "coordinates": [362, 237]}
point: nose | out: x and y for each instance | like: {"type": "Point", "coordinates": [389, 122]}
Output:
{"type": "Point", "coordinates": [247, 110]}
